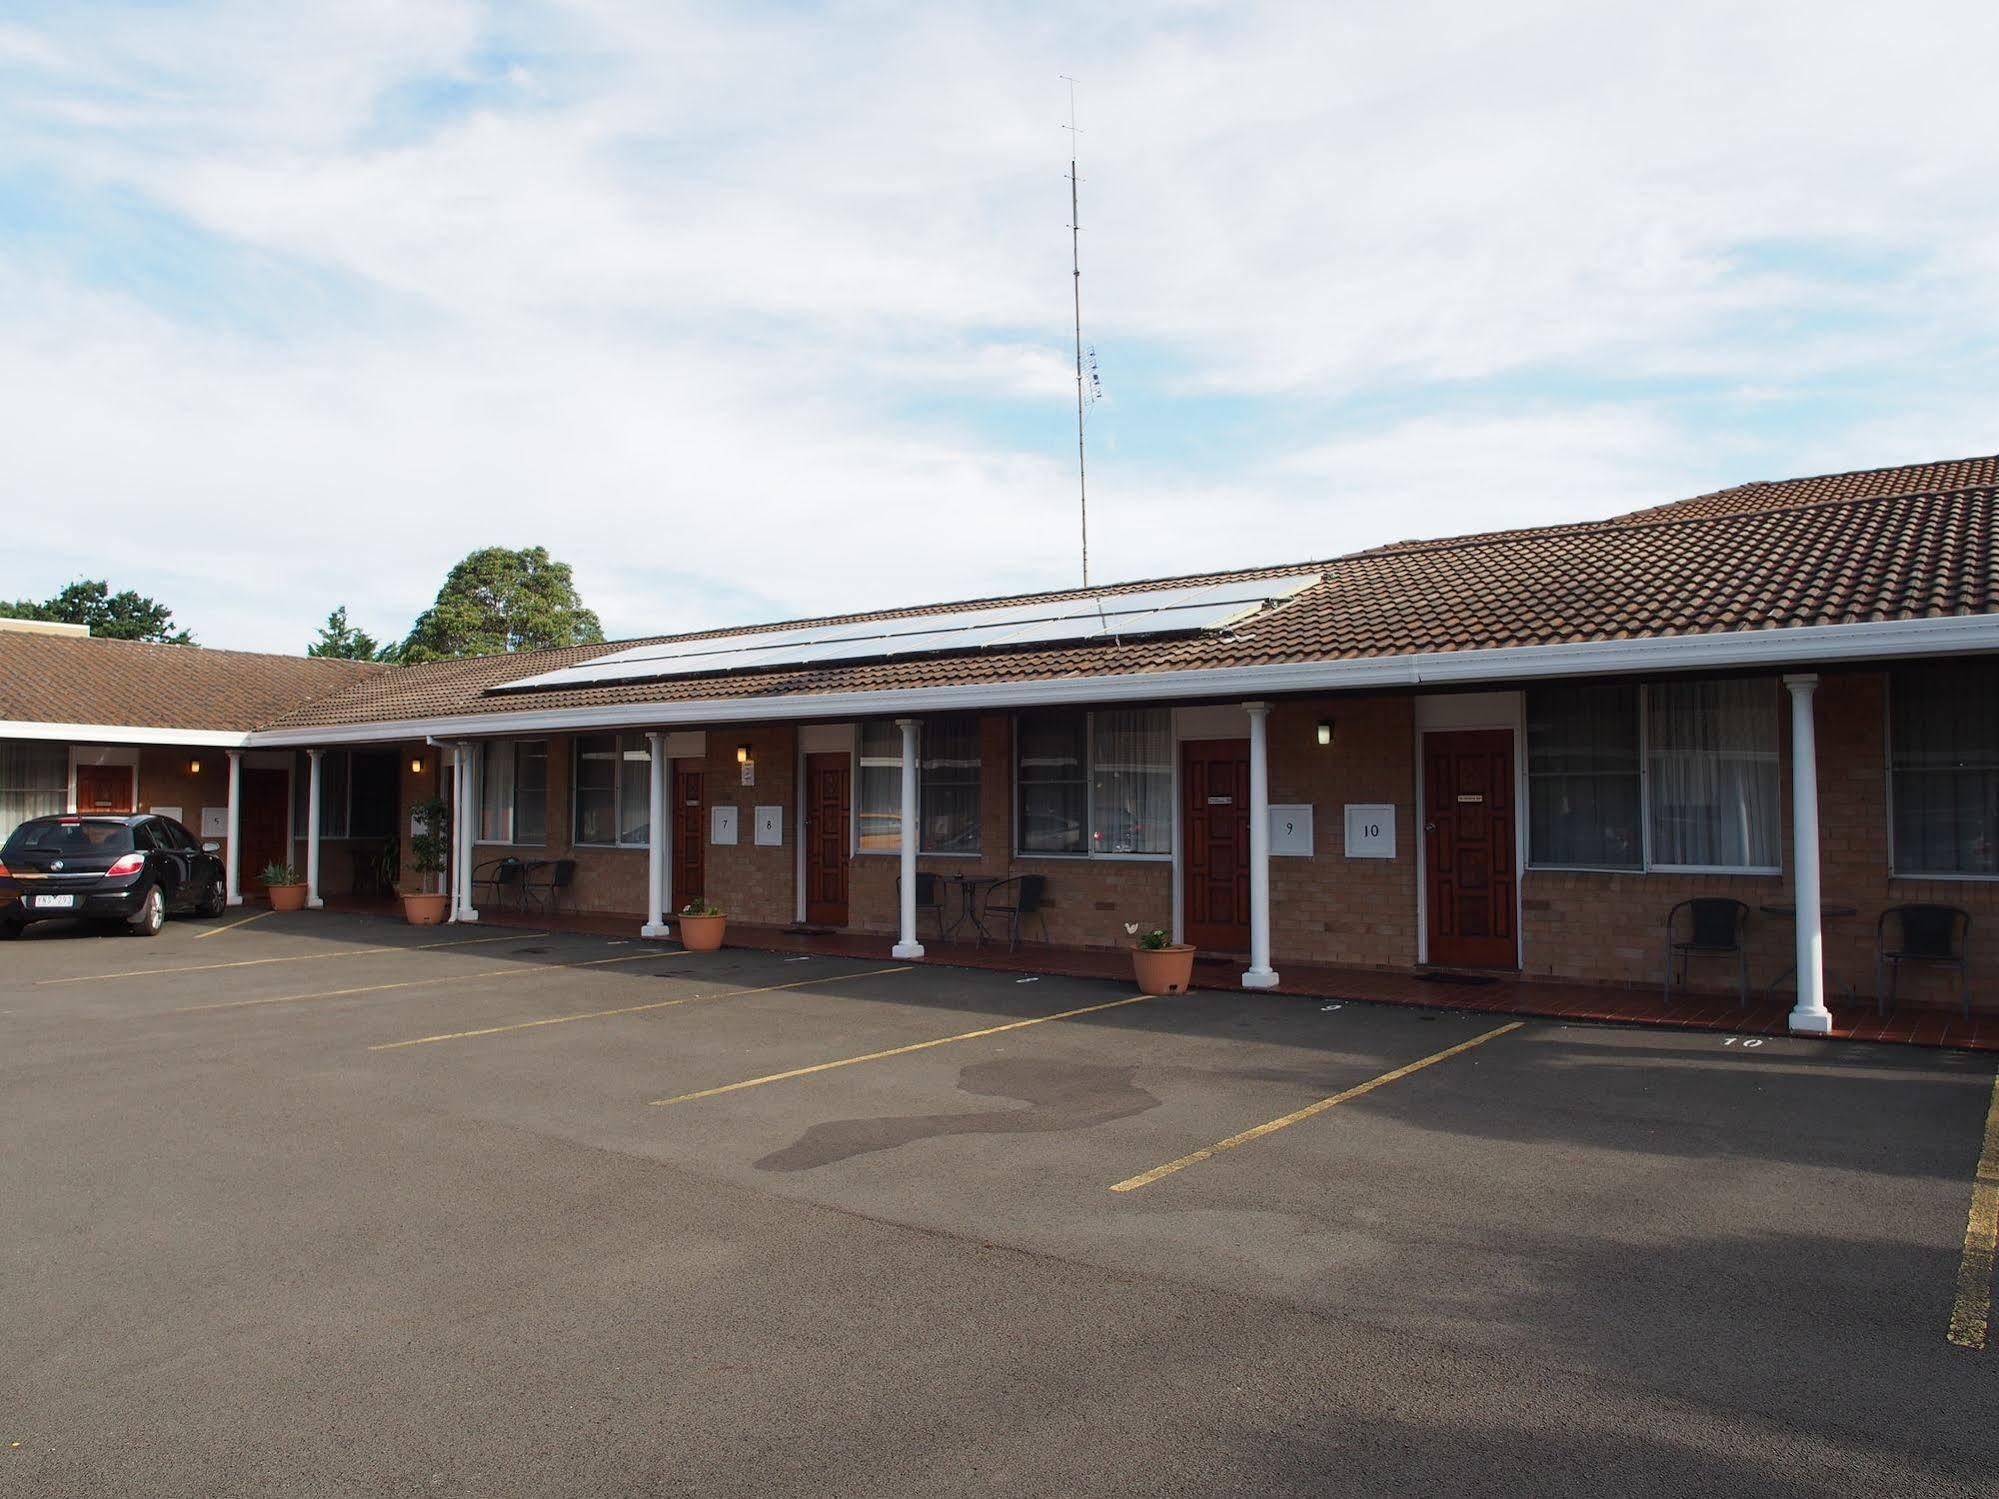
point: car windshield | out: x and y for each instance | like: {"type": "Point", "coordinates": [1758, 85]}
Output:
{"type": "Point", "coordinates": [68, 836]}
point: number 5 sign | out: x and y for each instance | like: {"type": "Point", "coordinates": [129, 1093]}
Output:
{"type": "Point", "coordinates": [1370, 830]}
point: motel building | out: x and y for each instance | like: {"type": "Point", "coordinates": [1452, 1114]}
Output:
{"type": "Point", "coordinates": [1513, 752]}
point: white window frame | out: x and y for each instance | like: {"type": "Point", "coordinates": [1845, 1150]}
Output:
{"type": "Point", "coordinates": [617, 738]}
{"type": "Point", "coordinates": [1090, 794]}
{"type": "Point", "coordinates": [513, 798]}
{"type": "Point", "coordinates": [854, 797]}
{"type": "Point", "coordinates": [1648, 866]}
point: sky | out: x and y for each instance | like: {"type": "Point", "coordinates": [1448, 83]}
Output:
{"type": "Point", "coordinates": [755, 310]}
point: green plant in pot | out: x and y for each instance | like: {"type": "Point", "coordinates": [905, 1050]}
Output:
{"type": "Point", "coordinates": [1158, 963]}
{"type": "Point", "coordinates": [430, 855]}
{"type": "Point", "coordinates": [282, 883]}
{"type": "Point", "coordinates": [701, 926]}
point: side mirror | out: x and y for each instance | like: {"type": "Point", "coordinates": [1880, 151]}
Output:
{"type": "Point", "coordinates": [211, 848]}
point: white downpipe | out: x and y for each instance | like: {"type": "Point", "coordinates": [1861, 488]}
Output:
{"type": "Point", "coordinates": [908, 946]}
{"type": "Point", "coordinates": [312, 898]}
{"type": "Point", "coordinates": [656, 849]}
{"type": "Point", "coordinates": [1810, 1014]}
{"type": "Point", "coordinates": [1259, 974]}
{"type": "Point", "coordinates": [232, 861]}
{"type": "Point", "coordinates": [468, 823]}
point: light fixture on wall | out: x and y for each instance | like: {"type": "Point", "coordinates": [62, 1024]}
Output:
{"type": "Point", "coordinates": [1325, 731]}
{"type": "Point", "coordinates": [194, 767]}
{"type": "Point", "coordinates": [742, 754]}
{"type": "Point", "coordinates": [416, 765]}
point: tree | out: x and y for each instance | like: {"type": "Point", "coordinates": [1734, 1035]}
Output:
{"type": "Point", "coordinates": [116, 616]}
{"type": "Point", "coordinates": [340, 639]}
{"type": "Point", "coordinates": [500, 600]}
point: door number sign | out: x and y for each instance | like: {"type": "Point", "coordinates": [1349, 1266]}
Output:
{"type": "Point", "coordinates": [1370, 828]}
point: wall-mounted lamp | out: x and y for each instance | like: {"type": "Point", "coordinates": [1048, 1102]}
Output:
{"type": "Point", "coordinates": [194, 767]}
{"type": "Point", "coordinates": [416, 765]}
{"type": "Point", "coordinates": [742, 754]}
{"type": "Point", "coordinates": [1325, 731]}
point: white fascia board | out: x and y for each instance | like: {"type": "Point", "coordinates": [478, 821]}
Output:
{"type": "Point", "coordinates": [1803, 646]}
{"type": "Point", "coordinates": [103, 733]}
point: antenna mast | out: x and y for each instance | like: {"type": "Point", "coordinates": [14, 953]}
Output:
{"type": "Point", "coordinates": [1076, 283]}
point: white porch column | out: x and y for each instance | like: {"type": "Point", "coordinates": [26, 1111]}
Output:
{"type": "Point", "coordinates": [657, 852]}
{"type": "Point", "coordinates": [455, 844]}
{"type": "Point", "coordinates": [468, 822]}
{"type": "Point", "coordinates": [232, 862]}
{"type": "Point", "coordinates": [1810, 1013]}
{"type": "Point", "coordinates": [908, 946]}
{"type": "Point", "coordinates": [1259, 974]}
{"type": "Point", "coordinates": [312, 830]}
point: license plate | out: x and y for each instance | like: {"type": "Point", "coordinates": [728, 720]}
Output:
{"type": "Point", "coordinates": [55, 902]}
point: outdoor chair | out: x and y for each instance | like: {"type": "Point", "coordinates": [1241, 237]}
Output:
{"type": "Point", "coordinates": [545, 883]}
{"type": "Point", "coordinates": [1713, 930]}
{"type": "Point", "coordinates": [1923, 934]}
{"type": "Point", "coordinates": [1014, 900]}
{"type": "Point", "coordinates": [929, 897]}
{"type": "Point", "coordinates": [502, 877]}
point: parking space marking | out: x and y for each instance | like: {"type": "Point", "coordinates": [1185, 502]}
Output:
{"type": "Point", "coordinates": [303, 957]}
{"type": "Point", "coordinates": [898, 1051]}
{"type": "Point", "coordinates": [1147, 1178]}
{"type": "Point", "coordinates": [658, 1004]}
{"type": "Point", "coordinates": [1971, 1314]}
{"type": "Point", "coordinates": [216, 931]}
{"type": "Point", "coordinates": [518, 971]}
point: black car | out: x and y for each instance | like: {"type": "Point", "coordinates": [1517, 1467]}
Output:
{"type": "Point", "coordinates": [130, 870]}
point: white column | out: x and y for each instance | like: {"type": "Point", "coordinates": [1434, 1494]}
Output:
{"type": "Point", "coordinates": [469, 791]}
{"type": "Point", "coordinates": [312, 830]}
{"type": "Point", "coordinates": [908, 946]}
{"type": "Point", "coordinates": [1810, 1013]}
{"type": "Point", "coordinates": [1259, 974]}
{"type": "Point", "coordinates": [656, 849]}
{"type": "Point", "coordinates": [231, 860]}
{"type": "Point", "coordinates": [455, 844]}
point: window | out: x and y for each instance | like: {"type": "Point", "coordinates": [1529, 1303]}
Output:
{"type": "Point", "coordinates": [1709, 796]}
{"type": "Point", "coordinates": [947, 786]}
{"type": "Point", "coordinates": [513, 792]}
{"type": "Point", "coordinates": [1095, 783]}
{"type": "Point", "coordinates": [1943, 748]}
{"type": "Point", "coordinates": [34, 782]}
{"type": "Point", "coordinates": [1583, 778]}
{"type": "Point", "coordinates": [613, 789]}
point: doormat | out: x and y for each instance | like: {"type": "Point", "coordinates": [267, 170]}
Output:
{"type": "Point", "coordinates": [1469, 980]}
{"type": "Point", "coordinates": [808, 931]}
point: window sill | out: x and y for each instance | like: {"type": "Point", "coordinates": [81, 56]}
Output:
{"type": "Point", "coordinates": [628, 848]}
{"type": "Point", "coordinates": [896, 853]}
{"type": "Point", "coordinates": [1950, 879]}
{"type": "Point", "coordinates": [1752, 872]}
{"type": "Point", "coordinates": [1095, 858]}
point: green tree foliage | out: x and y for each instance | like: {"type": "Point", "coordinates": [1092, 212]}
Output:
{"type": "Point", "coordinates": [116, 616]}
{"type": "Point", "coordinates": [500, 600]}
{"type": "Point", "coordinates": [338, 638]}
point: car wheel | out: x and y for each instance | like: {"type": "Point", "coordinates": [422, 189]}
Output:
{"type": "Point", "coordinates": [151, 916]}
{"type": "Point", "coordinates": [215, 902]}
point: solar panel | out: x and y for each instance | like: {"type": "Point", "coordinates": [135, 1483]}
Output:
{"type": "Point", "coordinates": [1093, 617]}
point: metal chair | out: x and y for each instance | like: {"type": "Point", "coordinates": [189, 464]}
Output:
{"type": "Point", "coordinates": [546, 889]}
{"type": "Point", "coordinates": [1923, 934]}
{"type": "Point", "coordinates": [1715, 932]}
{"type": "Point", "coordinates": [929, 897]}
{"type": "Point", "coordinates": [1028, 891]}
{"type": "Point", "coordinates": [501, 876]}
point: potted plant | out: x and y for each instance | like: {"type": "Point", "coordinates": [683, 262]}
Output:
{"type": "Point", "coordinates": [430, 849]}
{"type": "Point", "coordinates": [1161, 965]}
{"type": "Point", "coordinates": [701, 926]}
{"type": "Point", "coordinates": [286, 889]}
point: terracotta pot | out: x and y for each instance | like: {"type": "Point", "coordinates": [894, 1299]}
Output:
{"type": "Point", "coordinates": [286, 897]}
{"type": "Point", "coordinates": [702, 933]}
{"type": "Point", "coordinates": [426, 909]}
{"type": "Point", "coordinates": [1163, 970]}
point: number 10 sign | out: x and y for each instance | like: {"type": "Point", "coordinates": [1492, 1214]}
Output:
{"type": "Point", "coordinates": [1370, 830]}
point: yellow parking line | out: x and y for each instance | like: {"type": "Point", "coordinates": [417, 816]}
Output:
{"type": "Point", "coordinates": [1971, 1315]}
{"type": "Point", "coordinates": [519, 970]}
{"type": "Point", "coordinates": [659, 1004]}
{"type": "Point", "coordinates": [898, 1051]}
{"type": "Point", "coordinates": [307, 957]}
{"type": "Point", "coordinates": [215, 931]}
{"type": "Point", "coordinates": [1146, 1179]}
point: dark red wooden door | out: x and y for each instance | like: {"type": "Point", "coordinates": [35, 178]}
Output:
{"type": "Point", "coordinates": [828, 782]}
{"type": "Point", "coordinates": [264, 823]}
{"type": "Point", "coordinates": [690, 864]}
{"type": "Point", "coordinates": [1468, 848]}
{"type": "Point", "coordinates": [1214, 776]}
{"type": "Point", "coordinates": [103, 788]}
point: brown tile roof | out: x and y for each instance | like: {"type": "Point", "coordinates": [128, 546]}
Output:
{"type": "Point", "coordinates": [1814, 561]}
{"type": "Point", "coordinates": [1861, 484]}
{"type": "Point", "coordinates": [84, 679]}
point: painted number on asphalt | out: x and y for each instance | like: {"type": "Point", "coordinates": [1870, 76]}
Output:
{"type": "Point", "coordinates": [1746, 1045]}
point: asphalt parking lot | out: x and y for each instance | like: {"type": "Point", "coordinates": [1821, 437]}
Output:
{"type": "Point", "coordinates": [320, 1204]}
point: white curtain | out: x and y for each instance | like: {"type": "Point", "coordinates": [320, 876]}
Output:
{"type": "Point", "coordinates": [34, 782]}
{"type": "Point", "coordinates": [1131, 803]}
{"type": "Point", "coordinates": [1715, 789]}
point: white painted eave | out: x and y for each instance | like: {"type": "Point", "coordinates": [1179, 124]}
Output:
{"type": "Point", "coordinates": [1802, 647]}
{"type": "Point", "coordinates": [106, 733]}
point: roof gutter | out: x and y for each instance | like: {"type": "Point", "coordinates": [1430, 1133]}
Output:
{"type": "Point", "coordinates": [101, 733]}
{"type": "Point", "coordinates": [1801, 646]}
